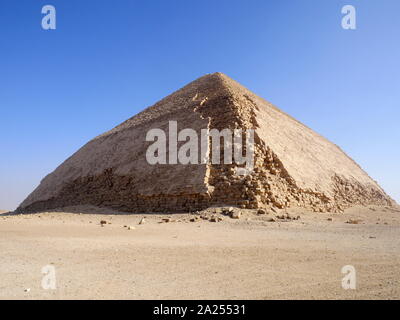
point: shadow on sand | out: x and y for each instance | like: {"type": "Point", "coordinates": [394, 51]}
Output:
{"type": "Point", "coordinates": [87, 209]}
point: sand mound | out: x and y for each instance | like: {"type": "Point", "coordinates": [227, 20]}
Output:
{"type": "Point", "coordinates": [294, 166]}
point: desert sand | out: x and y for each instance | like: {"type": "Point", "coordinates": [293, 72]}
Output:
{"type": "Point", "coordinates": [246, 258]}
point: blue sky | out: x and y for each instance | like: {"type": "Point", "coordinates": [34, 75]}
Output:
{"type": "Point", "coordinates": [108, 60]}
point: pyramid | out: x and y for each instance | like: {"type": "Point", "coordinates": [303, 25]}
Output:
{"type": "Point", "coordinates": [293, 165]}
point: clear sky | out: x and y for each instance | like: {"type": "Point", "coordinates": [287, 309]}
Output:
{"type": "Point", "coordinates": [108, 60]}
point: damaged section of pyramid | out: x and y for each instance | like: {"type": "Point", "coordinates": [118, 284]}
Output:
{"type": "Point", "coordinates": [293, 165]}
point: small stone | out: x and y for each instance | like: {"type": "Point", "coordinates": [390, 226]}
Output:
{"type": "Point", "coordinates": [353, 221]}
{"type": "Point", "coordinates": [213, 219]}
{"type": "Point", "coordinates": [166, 220]}
{"type": "Point", "coordinates": [279, 205]}
{"type": "Point", "coordinates": [131, 228]}
{"type": "Point", "coordinates": [236, 214]}
{"type": "Point", "coordinates": [329, 219]}
{"type": "Point", "coordinates": [103, 222]}
{"type": "Point", "coordinates": [271, 220]}
{"type": "Point", "coordinates": [142, 221]}
{"type": "Point", "coordinates": [261, 211]}
{"type": "Point", "coordinates": [27, 290]}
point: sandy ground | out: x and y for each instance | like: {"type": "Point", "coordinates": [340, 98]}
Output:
{"type": "Point", "coordinates": [248, 258]}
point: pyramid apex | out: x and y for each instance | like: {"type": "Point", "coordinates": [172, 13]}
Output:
{"type": "Point", "coordinates": [218, 80]}
{"type": "Point", "coordinates": [214, 75]}
{"type": "Point", "coordinates": [220, 74]}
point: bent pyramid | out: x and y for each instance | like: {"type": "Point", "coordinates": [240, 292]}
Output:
{"type": "Point", "coordinates": [294, 166]}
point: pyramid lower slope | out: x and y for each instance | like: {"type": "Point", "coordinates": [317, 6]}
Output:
{"type": "Point", "coordinates": [294, 166]}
